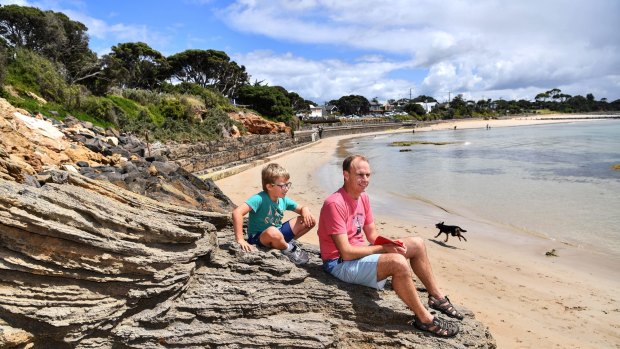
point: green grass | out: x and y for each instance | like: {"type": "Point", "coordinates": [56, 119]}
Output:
{"type": "Point", "coordinates": [129, 107]}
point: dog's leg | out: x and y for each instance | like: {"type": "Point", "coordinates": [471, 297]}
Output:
{"type": "Point", "coordinates": [437, 235]}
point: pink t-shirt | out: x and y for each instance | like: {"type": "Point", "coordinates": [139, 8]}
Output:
{"type": "Point", "coordinates": [342, 214]}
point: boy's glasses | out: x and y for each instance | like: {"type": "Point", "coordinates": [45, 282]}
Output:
{"type": "Point", "coordinates": [284, 186]}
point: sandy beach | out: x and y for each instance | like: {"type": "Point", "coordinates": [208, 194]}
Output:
{"type": "Point", "coordinates": [527, 299]}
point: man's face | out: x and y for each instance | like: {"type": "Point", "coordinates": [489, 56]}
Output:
{"type": "Point", "coordinates": [358, 176]}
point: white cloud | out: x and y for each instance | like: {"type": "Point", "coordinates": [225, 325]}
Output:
{"type": "Point", "coordinates": [321, 81]}
{"type": "Point", "coordinates": [482, 48]}
{"type": "Point", "coordinates": [120, 32]}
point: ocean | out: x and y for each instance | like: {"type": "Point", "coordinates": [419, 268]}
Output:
{"type": "Point", "coordinates": [553, 181]}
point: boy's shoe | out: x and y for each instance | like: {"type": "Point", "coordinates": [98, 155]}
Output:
{"type": "Point", "coordinates": [297, 255]}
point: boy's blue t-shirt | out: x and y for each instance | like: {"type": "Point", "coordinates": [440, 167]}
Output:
{"type": "Point", "coordinates": [266, 213]}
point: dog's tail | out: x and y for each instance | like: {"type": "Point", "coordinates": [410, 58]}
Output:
{"type": "Point", "coordinates": [463, 230]}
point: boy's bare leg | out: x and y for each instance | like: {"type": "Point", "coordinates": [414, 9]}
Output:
{"type": "Point", "coordinates": [272, 237]}
{"type": "Point", "coordinates": [298, 227]}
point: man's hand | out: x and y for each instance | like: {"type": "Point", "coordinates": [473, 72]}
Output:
{"type": "Point", "coordinates": [392, 248]}
{"type": "Point", "coordinates": [245, 245]}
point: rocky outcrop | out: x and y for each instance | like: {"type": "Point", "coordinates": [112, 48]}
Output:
{"type": "Point", "coordinates": [86, 264]}
{"type": "Point", "coordinates": [77, 254]}
{"type": "Point", "coordinates": [140, 254]}
{"type": "Point", "coordinates": [29, 144]}
{"type": "Point", "coordinates": [255, 124]}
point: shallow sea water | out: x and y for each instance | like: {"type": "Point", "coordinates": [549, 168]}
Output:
{"type": "Point", "coordinates": [553, 180]}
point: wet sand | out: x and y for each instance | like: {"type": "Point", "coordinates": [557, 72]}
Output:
{"type": "Point", "coordinates": [527, 299]}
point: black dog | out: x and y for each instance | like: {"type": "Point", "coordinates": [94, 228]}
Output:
{"type": "Point", "coordinates": [453, 230]}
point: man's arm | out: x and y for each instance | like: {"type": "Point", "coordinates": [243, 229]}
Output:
{"type": "Point", "coordinates": [371, 232]}
{"type": "Point", "coordinates": [237, 216]}
{"type": "Point", "coordinates": [349, 252]}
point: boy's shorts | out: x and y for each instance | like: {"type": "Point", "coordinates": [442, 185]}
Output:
{"type": "Point", "coordinates": [285, 229]}
{"type": "Point", "coordinates": [361, 271]}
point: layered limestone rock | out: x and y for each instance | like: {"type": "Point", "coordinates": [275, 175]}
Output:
{"type": "Point", "coordinates": [76, 255]}
{"type": "Point", "coordinates": [86, 264]}
{"type": "Point", "coordinates": [255, 124]}
{"type": "Point", "coordinates": [103, 260]}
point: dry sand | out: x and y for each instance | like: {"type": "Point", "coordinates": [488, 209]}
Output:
{"type": "Point", "coordinates": [528, 300]}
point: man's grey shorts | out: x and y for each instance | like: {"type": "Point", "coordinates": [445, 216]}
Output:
{"type": "Point", "coordinates": [361, 271]}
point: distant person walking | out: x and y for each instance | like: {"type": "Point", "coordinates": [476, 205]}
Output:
{"type": "Point", "coordinates": [320, 131]}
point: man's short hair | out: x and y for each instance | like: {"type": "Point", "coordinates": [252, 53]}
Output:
{"type": "Point", "coordinates": [271, 172]}
{"type": "Point", "coordinates": [346, 164]}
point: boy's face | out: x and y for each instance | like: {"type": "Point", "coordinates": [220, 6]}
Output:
{"type": "Point", "coordinates": [280, 187]}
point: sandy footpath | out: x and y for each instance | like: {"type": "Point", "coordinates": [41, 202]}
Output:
{"type": "Point", "coordinates": [527, 299]}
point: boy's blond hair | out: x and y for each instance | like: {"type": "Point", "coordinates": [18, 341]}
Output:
{"type": "Point", "coordinates": [271, 172]}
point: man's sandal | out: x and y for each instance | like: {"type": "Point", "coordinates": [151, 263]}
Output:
{"type": "Point", "coordinates": [444, 306]}
{"type": "Point", "coordinates": [439, 327]}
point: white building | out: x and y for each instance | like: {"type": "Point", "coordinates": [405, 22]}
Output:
{"type": "Point", "coordinates": [315, 112]}
{"type": "Point", "coordinates": [428, 106]}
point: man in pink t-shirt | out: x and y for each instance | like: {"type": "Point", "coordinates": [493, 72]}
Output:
{"type": "Point", "coordinates": [347, 256]}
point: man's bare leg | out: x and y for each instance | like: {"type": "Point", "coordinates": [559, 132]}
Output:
{"type": "Point", "coordinates": [396, 266]}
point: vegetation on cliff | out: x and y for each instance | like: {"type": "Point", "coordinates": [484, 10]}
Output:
{"type": "Point", "coordinates": [46, 66]}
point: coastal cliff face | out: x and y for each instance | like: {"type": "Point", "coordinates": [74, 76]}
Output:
{"type": "Point", "coordinates": [134, 253]}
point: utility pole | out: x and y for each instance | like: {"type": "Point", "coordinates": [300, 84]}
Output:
{"type": "Point", "coordinates": [410, 95]}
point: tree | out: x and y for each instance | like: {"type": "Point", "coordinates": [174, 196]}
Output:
{"type": "Point", "coordinates": [542, 97]}
{"type": "Point", "coordinates": [415, 109]}
{"type": "Point", "coordinates": [298, 103]}
{"type": "Point", "coordinates": [135, 65]}
{"type": "Point", "coordinates": [79, 61]}
{"type": "Point", "coordinates": [269, 101]}
{"type": "Point", "coordinates": [352, 104]}
{"type": "Point", "coordinates": [459, 106]}
{"type": "Point", "coordinates": [51, 34]}
{"type": "Point", "coordinates": [209, 68]}
{"type": "Point", "coordinates": [424, 99]}
{"type": "Point", "coordinates": [23, 27]}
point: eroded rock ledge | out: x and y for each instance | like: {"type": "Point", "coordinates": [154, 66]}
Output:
{"type": "Point", "coordinates": [135, 252]}
{"type": "Point", "coordinates": [86, 264]}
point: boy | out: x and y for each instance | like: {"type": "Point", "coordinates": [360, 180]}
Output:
{"type": "Point", "coordinates": [266, 210]}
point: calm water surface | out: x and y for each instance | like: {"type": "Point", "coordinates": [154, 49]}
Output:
{"type": "Point", "coordinates": [550, 180]}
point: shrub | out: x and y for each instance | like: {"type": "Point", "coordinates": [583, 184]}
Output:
{"type": "Point", "coordinates": [211, 98]}
{"type": "Point", "coordinates": [100, 108]}
{"type": "Point", "coordinates": [144, 97]}
{"type": "Point", "coordinates": [174, 109]}
{"type": "Point", "coordinates": [30, 71]}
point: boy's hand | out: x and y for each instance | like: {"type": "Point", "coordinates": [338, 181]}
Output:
{"type": "Point", "coordinates": [245, 245]}
{"type": "Point", "coordinates": [308, 218]}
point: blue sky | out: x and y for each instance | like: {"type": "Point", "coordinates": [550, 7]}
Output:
{"type": "Point", "coordinates": [324, 49]}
